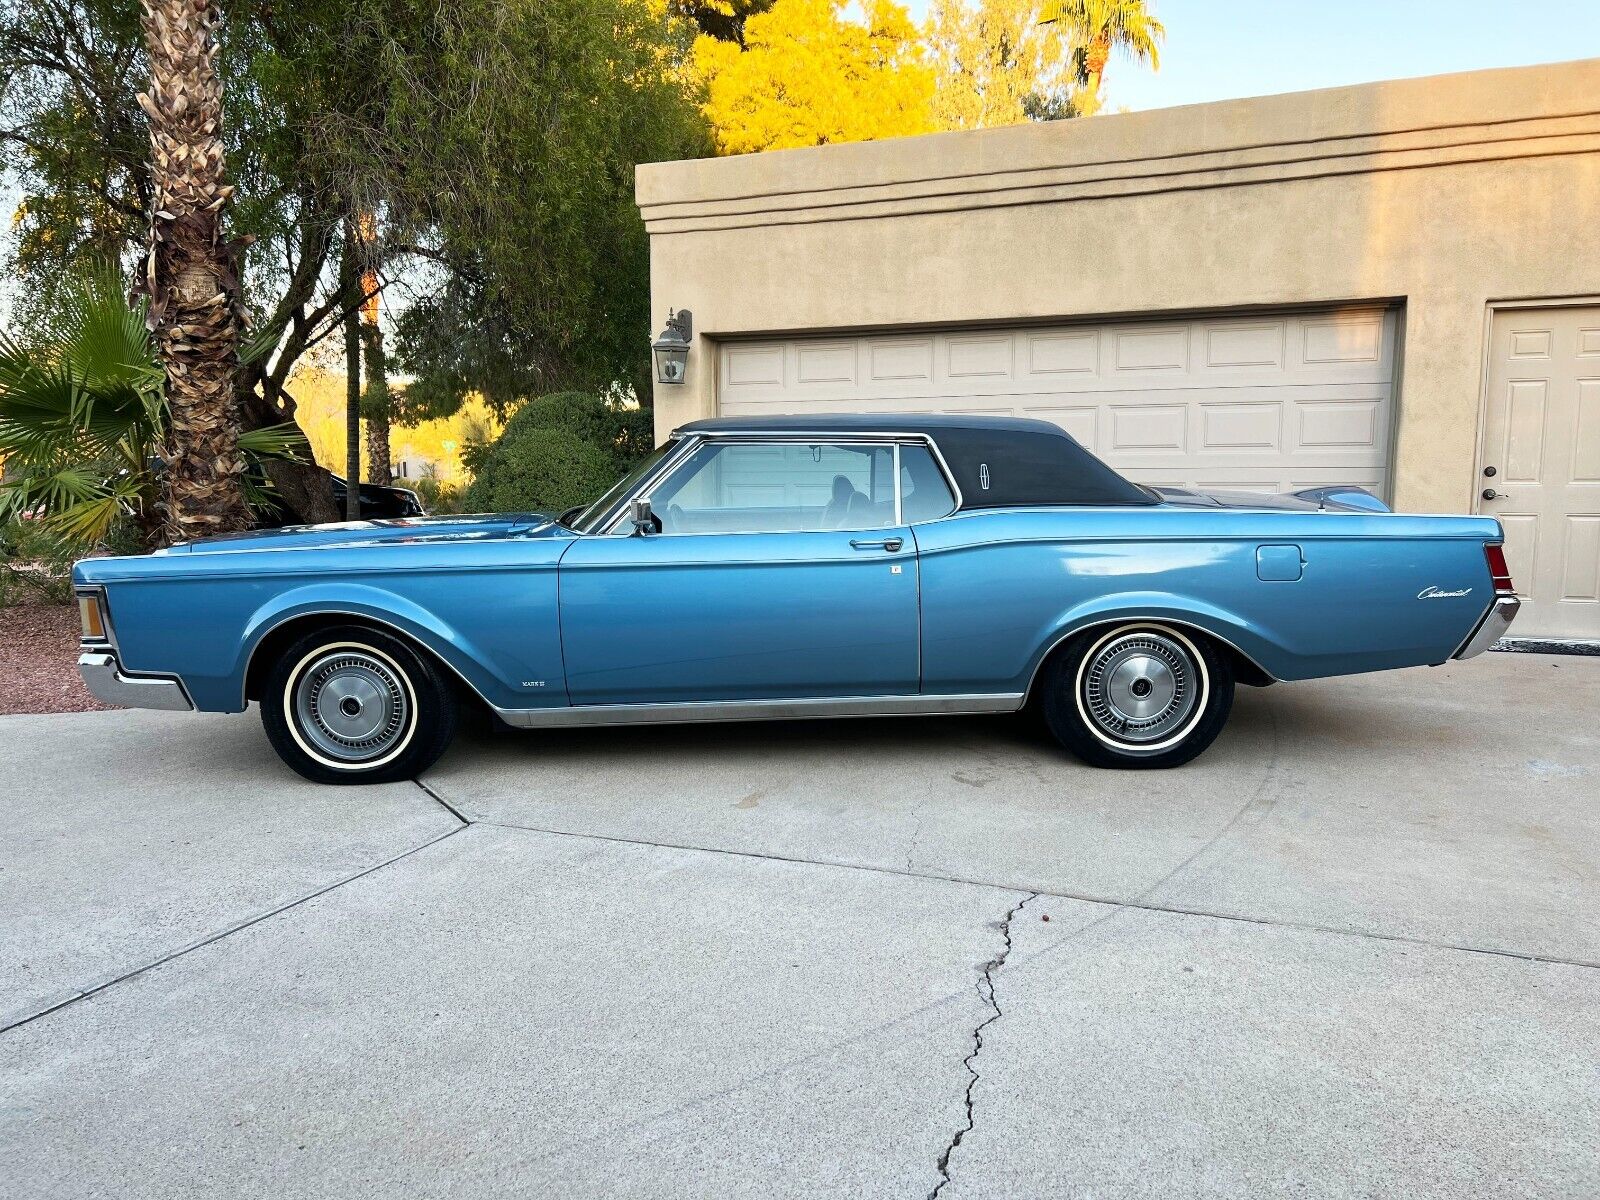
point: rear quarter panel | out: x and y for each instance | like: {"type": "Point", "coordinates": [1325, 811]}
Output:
{"type": "Point", "coordinates": [487, 609]}
{"type": "Point", "coordinates": [1000, 588]}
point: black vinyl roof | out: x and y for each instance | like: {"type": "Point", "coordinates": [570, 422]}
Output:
{"type": "Point", "coordinates": [998, 462]}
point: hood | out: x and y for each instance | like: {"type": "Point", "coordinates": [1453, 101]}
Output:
{"type": "Point", "coordinates": [398, 531]}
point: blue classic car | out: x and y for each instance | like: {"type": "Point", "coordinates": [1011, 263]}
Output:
{"type": "Point", "coordinates": [798, 567]}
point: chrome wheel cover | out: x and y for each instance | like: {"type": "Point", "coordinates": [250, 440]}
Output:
{"type": "Point", "coordinates": [1141, 689]}
{"type": "Point", "coordinates": [351, 705]}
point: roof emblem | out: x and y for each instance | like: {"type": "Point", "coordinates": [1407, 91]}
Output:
{"type": "Point", "coordinates": [983, 476]}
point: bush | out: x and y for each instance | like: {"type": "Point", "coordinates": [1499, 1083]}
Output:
{"type": "Point", "coordinates": [556, 452]}
{"type": "Point", "coordinates": [35, 563]}
{"type": "Point", "coordinates": [438, 497]}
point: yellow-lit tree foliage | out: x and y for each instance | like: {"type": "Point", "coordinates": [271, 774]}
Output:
{"type": "Point", "coordinates": [997, 64]}
{"type": "Point", "coordinates": [809, 76]}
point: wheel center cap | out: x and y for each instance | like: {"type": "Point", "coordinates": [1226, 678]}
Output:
{"type": "Point", "coordinates": [1140, 686]}
{"type": "Point", "coordinates": [350, 706]}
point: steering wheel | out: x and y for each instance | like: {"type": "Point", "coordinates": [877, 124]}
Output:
{"type": "Point", "coordinates": [675, 518]}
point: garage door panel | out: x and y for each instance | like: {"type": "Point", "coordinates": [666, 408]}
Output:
{"type": "Point", "coordinates": [826, 362]}
{"type": "Point", "coordinates": [1237, 346]}
{"type": "Point", "coordinates": [1073, 352]}
{"type": "Point", "coordinates": [1161, 349]}
{"type": "Point", "coordinates": [1258, 401]}
{"type": "Point", "coordinates": [1248, 426]}
{"type": "Point", "coordinates": [1343, 339]}
{"type": "Point", "coordinates": [979, 357]}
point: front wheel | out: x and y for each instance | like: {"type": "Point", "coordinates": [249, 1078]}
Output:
{"type": "Point", "coordinates": [353, 705]}
{"type": "Point", "coordinates": [1140, 694]}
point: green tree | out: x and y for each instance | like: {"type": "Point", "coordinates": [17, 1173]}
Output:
{"type": "Point", "coordinates": [1101, 26]}
{"type": "Point", "coordinates": [492, 140]}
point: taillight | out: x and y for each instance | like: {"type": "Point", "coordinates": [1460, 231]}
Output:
{"type": "Point", "coordinates": [1498, 571]}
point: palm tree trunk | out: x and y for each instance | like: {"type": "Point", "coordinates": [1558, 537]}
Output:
{"type": "Point", "coordinates": [349, 285]}
{"type": "Point", "coordinates": [375, 400]}
{"type": "Point", "coordinates": [191, 273]}
{"type": "Point", "coordinates": [1098, 54]}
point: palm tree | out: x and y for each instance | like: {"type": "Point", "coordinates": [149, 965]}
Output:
{"type": "Point", "coordinates": [82, 413]}
{"type": "Point", "coordinates": [1101, 26]}
{"type": "Point", "coordinates": [191, 273]}
{"type": "Point", "coordinates": [375, 398]}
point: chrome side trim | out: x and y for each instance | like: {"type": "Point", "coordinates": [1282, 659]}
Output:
{"type": "Point", "coordinates": [758, 710]}
{"type": "Point", "coordinates": [1491, 628]}
{"type": "Point", "coordinates": [106, 682]}
{"type": "Point", "coordinates": [1072, 633]}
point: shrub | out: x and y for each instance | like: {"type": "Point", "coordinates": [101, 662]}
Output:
{"type": "Point", "coordinates": [437, 496]}
{"type": "Point", "coordinates": [36, 557]}
{"type": "Point", "coordinates": [543, 470]}
{"type": "Point", "coordinates": [556, 452]}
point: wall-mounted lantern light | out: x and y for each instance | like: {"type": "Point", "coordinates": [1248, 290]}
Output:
{"type": "Point", "coordinates": [672, 347]}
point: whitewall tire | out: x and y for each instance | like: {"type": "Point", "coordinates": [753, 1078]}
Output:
{"type": "Point", "coordinates": [348, 704]}
{"type": "Point", "coordinates": [1137, 694]}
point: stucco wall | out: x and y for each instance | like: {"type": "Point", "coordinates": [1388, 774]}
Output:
{"type": "Point", "coordinates": [1444, 194]}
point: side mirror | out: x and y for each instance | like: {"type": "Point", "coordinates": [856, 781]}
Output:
{"type": "Point", "coordinates": [643, 517]}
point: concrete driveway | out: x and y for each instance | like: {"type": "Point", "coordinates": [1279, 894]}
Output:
{"type": "Point", "coordinates": [1352, 951]}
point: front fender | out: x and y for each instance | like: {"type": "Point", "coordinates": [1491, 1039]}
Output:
{"type": "Point", "coordinates": [490, 661]}
{"type": "Point", "coordinates": [372, 604]}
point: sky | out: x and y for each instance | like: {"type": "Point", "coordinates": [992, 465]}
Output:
{"type": "Point", "coordinates": [1220, 49]}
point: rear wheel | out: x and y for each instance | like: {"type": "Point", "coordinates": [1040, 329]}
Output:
{"type": "Point", "coordinates": [352, 705]}
{"type": "Point", "coordinates": [1141, 694]}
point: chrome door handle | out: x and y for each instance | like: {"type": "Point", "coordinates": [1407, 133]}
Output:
{"type": "Point", "coordinates": [889, 544]}
{"type": "Point", "coordinates": [1491, 494]}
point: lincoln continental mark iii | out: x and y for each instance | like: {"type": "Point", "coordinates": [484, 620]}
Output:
{"type": "Point", "coordinates": [798, 567]}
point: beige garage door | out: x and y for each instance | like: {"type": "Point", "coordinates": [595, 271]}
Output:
{"type": "Point", "coordinates": [1541, 462]}
{"type": "Point", "coordinates": [1267, 402]}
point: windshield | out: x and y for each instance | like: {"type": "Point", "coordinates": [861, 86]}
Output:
{"type": "Point", "coordinates": [592, 518]}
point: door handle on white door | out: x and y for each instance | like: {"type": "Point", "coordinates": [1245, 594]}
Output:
{"type": "Point", "coordinates": [1491, 494]}
{"type": "Point", "coordinates": [889, 544]}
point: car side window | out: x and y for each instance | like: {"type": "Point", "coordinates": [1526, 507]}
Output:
{"type": "Point", "coordinates": [924, 494]}
{"type": "Point", "coordinates": [778, 487]}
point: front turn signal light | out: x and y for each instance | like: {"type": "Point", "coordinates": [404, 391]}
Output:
{"type": "Point", "coordinates": [93, 620]}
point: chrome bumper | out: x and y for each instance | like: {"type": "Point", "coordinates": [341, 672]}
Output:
{"type": "Point", "coordinates": [1492, 628]}
{"type": "Point", "coordinates": [106, 683]}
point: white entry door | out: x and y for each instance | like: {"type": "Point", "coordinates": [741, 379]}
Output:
{"type": "Point", "coordinates": [1540, 471]}
{"type": "Point", "coordinates": [1264, 402]}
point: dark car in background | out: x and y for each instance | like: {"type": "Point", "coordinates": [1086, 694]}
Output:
{"type": "Point", "coordinates": [378, 501]}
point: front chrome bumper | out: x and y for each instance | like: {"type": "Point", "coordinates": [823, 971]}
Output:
{"type": "Point", "coordinates": [106, 682]}
{"type": "Point", "coordinates": [1492, 628]}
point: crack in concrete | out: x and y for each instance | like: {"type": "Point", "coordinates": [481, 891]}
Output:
{"type": "Point", "coordinates": [986, 994]}
{"type": "Point", "coordinates": [916, 836]}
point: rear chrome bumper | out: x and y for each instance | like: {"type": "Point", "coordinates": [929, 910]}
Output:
{"type": "Point", "coordinates": [1492, 628]}
{"type": "Point", "coordinates": [103, 675]}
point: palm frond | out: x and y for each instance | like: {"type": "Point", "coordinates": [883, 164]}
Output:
{"type": "Point", "coordinates": [284, 441]}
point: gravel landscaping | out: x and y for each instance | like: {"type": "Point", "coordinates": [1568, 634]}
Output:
{"type": "Point", "coordinates": [39, 661]}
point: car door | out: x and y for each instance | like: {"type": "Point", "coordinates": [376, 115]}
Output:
{"type": "Point", "coordinates": [781, 570]}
